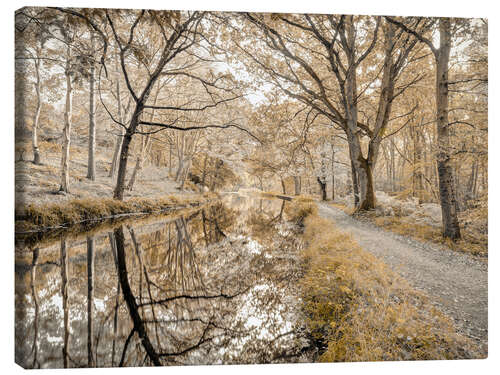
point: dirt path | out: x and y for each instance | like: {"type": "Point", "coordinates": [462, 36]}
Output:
{"type": "Point", "coordinates": [457, 283]}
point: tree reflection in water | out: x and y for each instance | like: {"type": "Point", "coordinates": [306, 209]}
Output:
{"type": "Point", "coordinates": [216, 286]}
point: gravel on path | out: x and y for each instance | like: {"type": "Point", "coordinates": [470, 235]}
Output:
{"type": "Point", "coordinates": [456, 283]}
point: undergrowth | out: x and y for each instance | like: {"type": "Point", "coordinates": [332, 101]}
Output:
{"type": "Point", "coordinates": [357, 309]}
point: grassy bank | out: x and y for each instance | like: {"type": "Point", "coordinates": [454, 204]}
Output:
{"type": "Point", "coordinates": [357, 309]}
{"type": "Point", "coordinates": [85, 213]}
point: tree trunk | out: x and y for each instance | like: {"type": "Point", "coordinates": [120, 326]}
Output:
{"type": "Point", "coordinates": [333, 173]}
{"type": "Point", "coordinates": [170, 160]}
{"type": "Point", "coordinates": [90, 299]}
{"type": "Point", "coordinates": [364, 189]}
{"type": "Point", "coordinates": [122, 167]}
{"type": "Point", "coordinates": [36, 117]}
{"type": "Point", "coordinates": [67, 128]}
{"type": "Point", "coordinates": [393, 166]}
{"type": "Point", "coordinates": [36, 308]}
{"type": "Point", "coordinates": [140, 160]}
{"type": "Point", "coordinates": [384, 104]}
{"type": "Point", "coordinates": [296, 181]}
{"type": "Point", "coordinates": [185, 174]}
{"type": "Point", "coordinates": [127, 138]}
{"type": "Point", "coordinates": [180, 168]}
{"type": "Point", "coordinates": [362, 176]}
{"type": "Point", "coordinates": [91, 153]}
{"type": "Point", "coordinates": [64, 296]}
{"type": "Point", "coordinates": [322, 186]}
{"type": "Point", "coordinates": [387, 169]}
{"type": "Point", "coordinates": [21, 71]}
{"type": "Point", "coordinates": [354, 180]}
{"type": "Point", "coordinates": [131, 130]}
{"type": "Point", "coordinates": [474, 185]}
{"type": "Point", "coordinates": [414, 189]}
{"type": "Point", "coordinates": [117, 298]}
{"type": "Point", "coordinates": [367, 189]}
{"type": "Point", "coordinates": [116, 152]}
{"type": "Point", "coordinates": [418, 166]}
{"type": "Point", "coordinates": [204, 173]}
{"type": "Point", "coordinates": [427, 170]}
{"type": "Point", "coordinates": [470, 183]}
{"type": "Point", "coordinates": [451, 227]}
{"type": "Point", "coordinates": [137, 168]}
{"type": "Point", "coordinates": [119, 138]}
{"type": "Point", "coordinates": [484, 177]}
{"type": "Point", "coordinates": [130, 299]}
{"type": "Point", "coordinates": [180, 157]}
{"type": "Point", "coordinates": [351, 111]}
{"type": "Point", "coordinates": [215, 176]}
{"type": "Point", "coordinates": [144, 148]}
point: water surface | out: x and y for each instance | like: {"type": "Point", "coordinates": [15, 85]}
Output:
{"type": "Point", "coordinates": [215, 286]}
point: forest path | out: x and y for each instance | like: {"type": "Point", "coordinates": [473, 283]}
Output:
{"type": "Point", "coordinates": [457, 283]}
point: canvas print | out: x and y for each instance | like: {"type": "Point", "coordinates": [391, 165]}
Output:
{"type": "Point", "coordinates": [197, 187]}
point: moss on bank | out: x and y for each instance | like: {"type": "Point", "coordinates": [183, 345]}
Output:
{"type": "Point", "coordinates": [86, 212]}
{"type": "Point", "coordinates": [357, 309]}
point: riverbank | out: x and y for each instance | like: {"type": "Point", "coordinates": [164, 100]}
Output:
{"type": "Point", "coordinates": [40, 208]}
{"type": "Point", "coordinates": [85, 213]}
{"type": "Point", "coordinates": [357, 309]}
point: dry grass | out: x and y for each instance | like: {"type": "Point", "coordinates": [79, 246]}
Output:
{"type": "Point", "coordinates": [43, 217]}
{"type": "Point", "coordinates": [360, 310]}
{"type": "Point", "coordinates": [298, 211]}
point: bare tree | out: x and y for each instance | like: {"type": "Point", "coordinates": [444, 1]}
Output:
{"type": "Point", "coordinates": [451, 227]}
{"type": "Point", "coordinates": [90, 300]}
{"type": "Point", "coordinates": [304, 77]}
{"type": "Point", "coordinates": [64, 294]}
{"type": "Point", "coordinates": [68, 112]}
{"type": "Point", "coordinates": [91, 152]}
